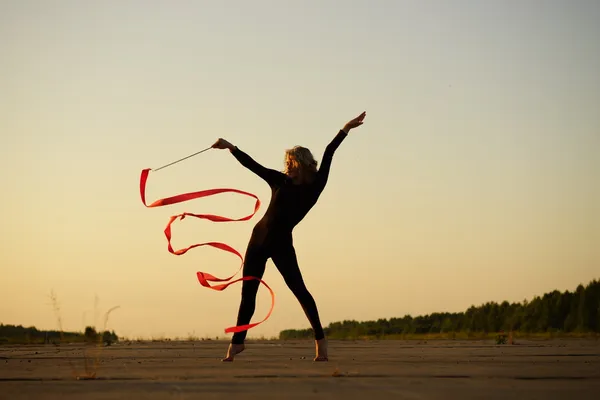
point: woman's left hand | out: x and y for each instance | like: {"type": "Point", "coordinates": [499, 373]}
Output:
{"type": "Point", "coordinates": [356, 122]}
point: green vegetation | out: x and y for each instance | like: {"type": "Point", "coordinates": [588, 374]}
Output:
{"type": "Point", "coordinates": [554, 314]}
{"type": "Point", "coordinates": [11, 334]}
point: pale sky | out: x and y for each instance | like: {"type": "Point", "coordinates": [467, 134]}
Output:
{"type": "Point", "coordinates": [475, 178]}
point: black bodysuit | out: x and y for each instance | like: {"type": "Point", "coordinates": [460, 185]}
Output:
{"type": "Point", "coordinates": [272, 235]}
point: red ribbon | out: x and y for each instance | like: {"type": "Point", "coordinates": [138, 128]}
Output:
{"type": "Point", "coordinates": [203, 277]}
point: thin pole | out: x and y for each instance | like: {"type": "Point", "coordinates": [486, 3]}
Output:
{"type": "Point", "coordinates": [184, 158]}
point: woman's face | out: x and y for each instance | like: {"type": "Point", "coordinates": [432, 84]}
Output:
{"type": "Point", "coordinates": [291, 166]}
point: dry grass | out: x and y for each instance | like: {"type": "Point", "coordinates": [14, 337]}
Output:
{"type": "Point", "coordinates": [90, 362]}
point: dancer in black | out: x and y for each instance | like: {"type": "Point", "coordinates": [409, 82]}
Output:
{"type": "Point", "coordinates": [293, 193]}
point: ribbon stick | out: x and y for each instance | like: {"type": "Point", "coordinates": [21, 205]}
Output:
{"type": "Point", "coordinates": [181, 159]}
{"type": "Point", "coordinates": [203, 277]}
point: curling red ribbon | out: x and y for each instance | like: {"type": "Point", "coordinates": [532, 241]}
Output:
{"type": "Point", "coordinates": [203, 277]}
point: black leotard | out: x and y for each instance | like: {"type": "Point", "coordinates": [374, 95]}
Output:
{"type": "Point", "coordinates": [272, 235]}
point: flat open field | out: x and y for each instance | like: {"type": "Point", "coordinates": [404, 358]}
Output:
{"type": "Point", "coordinates": [552, 369]}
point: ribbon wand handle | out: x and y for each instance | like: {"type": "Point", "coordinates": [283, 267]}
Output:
{"type": "Point", "coordinates": [181, 159]}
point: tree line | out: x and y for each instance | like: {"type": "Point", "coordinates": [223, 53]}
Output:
{"type": "Point", "coordinates": [18, 334]}
{"type": "Point", "coordinates": [555, 312]}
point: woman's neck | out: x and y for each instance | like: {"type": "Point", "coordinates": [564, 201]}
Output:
{"type": "Point", "coordinates": [302, 178]}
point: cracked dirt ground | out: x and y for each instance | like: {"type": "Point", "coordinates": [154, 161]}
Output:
{"type": "Point", "coordinates": [548, 369]}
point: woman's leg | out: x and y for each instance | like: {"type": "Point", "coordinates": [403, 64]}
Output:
{"type": "Point", "coordinates": [255, 262]}
{"type": "Point", "coordinates": [284, 258]}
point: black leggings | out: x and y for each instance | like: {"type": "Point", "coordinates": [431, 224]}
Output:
{"type": "Point", "coordinates": [283, 255]}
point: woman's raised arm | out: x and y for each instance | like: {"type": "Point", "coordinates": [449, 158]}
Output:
{"type": "Point", "coordinates": [334, 144]}
{"type": "Point", "coordinates": [272, 177]}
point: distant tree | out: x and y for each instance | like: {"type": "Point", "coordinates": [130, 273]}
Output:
{"type": "Point", "coordinates": [17, 334]}
{"type": "Point", "coordinates": [109, 338]}
{"type": "Point", "coordinates": [552, 312]}
{"type": "Point", "coordinates": [90, 334]}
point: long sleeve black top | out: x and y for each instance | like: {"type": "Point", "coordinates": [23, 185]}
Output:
{"type": "Point", "coordinates": [290, 202]}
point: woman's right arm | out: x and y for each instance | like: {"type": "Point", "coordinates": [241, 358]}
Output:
{"type": "Point", "coordinates": [272, 177]}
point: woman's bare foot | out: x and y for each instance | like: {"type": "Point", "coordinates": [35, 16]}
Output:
{"type": "Point", "coordinates": [321, 348]}
{"type": "Point", "coordinates": [233, 350]}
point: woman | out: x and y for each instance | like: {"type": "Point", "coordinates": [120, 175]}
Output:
{"type": "Point", "coordinates": [293, 193]}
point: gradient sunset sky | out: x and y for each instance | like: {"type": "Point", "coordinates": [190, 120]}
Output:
{"type": "Point", "coordinates": [475, 178]}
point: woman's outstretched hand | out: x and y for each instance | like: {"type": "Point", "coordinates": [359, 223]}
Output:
{"type": "Point", "coordinates": [356, 122]}
{"type": "Point", "coordinates": [222, 144]}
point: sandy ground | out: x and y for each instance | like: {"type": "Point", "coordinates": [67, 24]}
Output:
{"type": "Point", "coordinates": [557, 369]}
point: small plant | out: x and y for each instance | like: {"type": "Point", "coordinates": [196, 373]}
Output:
{"type": "Point", "coordinates": [501, 338]}
{"type": "Point", "coordinates": [192, 337]}
{"type": "Point", "coordinates": [90, 336]}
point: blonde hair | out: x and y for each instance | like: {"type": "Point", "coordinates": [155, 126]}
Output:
{"type": "Point", "coordinates": [299, 158]}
